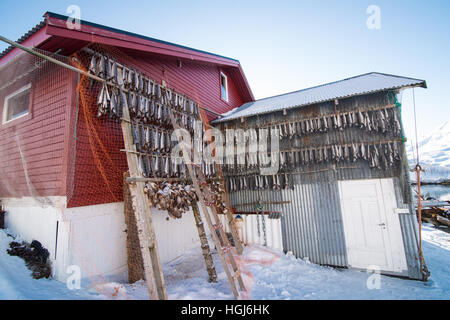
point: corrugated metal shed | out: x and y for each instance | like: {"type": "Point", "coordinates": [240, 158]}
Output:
{"type": "Point", "coordinates": [312, 223]}
{"type": "Point", "coordinates": [355, 86]}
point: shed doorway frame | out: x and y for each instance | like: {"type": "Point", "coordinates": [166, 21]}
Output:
{"type": "Point", "coordinates": [372, 228]}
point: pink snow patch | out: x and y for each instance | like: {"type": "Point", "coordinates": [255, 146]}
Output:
{"type": "Point", "coordinates": [253, 255]}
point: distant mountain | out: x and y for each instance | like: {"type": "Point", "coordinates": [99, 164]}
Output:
{"type": "Point", "coordinates": [434, 155]}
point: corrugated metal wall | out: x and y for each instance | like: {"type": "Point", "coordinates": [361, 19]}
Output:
{"type": "Point", "coordinates": [312, 223]}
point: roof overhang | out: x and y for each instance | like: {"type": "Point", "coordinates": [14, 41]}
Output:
{"type": "Point", "coordinates": [92, 32]}
{"type": "Point", "coordinates": [267, 107]}
{"type": "Point", "coordinates": [56, 26]}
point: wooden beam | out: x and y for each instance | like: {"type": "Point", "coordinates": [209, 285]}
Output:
{"type": "Point", "coordinates": [146, 233]}
{"type": "Point", "coordinates": [209, 262]}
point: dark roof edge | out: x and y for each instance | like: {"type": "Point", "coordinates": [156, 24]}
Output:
{"type": "Point", "coordinates": [221, 120]}
{"type": "Point", "coordinates": [96, 25]}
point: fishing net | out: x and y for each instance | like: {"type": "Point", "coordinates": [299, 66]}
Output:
{"type": "Point", "coordinates": [34, 100]}
{"type": "Point", "coordinates": [100, 151]}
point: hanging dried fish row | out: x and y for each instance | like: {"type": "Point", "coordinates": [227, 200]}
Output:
{"type": "Point", "coordinates": [375, 121]}
{"type": "Point", "coordinates": [379, 156]}
{"type": "Point", "coordinates": [150, 105]}
{"type": "Point", "coordinates": [259, 182]}
{"type": "Point", "coordinates": [148, 101]}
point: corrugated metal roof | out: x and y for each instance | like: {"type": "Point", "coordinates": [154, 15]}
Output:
{"type": "Point", "coordinates": [24, 37]}
{"type": "Point", "coordinates": [359, 85]}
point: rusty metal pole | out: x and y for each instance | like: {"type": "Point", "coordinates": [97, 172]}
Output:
{"type": "Point", "coordinates": [419, 212]}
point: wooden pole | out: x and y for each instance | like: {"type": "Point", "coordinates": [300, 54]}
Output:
{"type": "Point", "coordinates": [209, 262]}
{"type": "Point", "coordinates": [419, 211]}
{"type": "Point", "coordinates": [134, 254]}
{"type": "Point", "coordinates": [146, 233]}
{"type": "Point", "coordinates": [231, 222]}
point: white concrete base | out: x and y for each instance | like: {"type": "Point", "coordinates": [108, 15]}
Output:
{"type": "Point", "coordinates": [92, 237]}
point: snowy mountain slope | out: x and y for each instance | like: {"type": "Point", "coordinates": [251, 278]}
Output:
{"type": "Point", "coordinates": [434, 155]}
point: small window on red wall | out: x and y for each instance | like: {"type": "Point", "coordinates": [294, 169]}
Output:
{"type": "Point", "coordinates": [17, 104]}
{"type": "Point", "coordinates": [224, 86]}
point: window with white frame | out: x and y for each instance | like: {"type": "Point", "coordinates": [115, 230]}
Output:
{"type": "Point", "coordinates": [17, 104]}
{"type": "Point", "coordinates": [224, 86]}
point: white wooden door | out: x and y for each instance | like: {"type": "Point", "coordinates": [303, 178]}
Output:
{"type": "Point", "coordinates": [371, 225]}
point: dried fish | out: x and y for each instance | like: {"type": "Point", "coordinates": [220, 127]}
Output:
{"type": "Point", "coordinates": [361, 123]}
{"type": "Point", "coordinates": [156, 139]}
{"type": "Point", "coordinates": [396, 152]}
{"type": "Point", "coordinates": [122, 103]}
{"type": "Point", "coordinates": [374, 157]}
{"type": "Point", "coordinates": [93, 65]}
{"type": "Point", "coordinates": [346, 153]}
{"type": "Point", "coordinates": [130, 78]}
{"type": "Point", "coordinates": [135, 133]}
{"type": "Point", "coordinates": [112, 71]}
{"type": "Point", "coordinates": [166, 171]}
{"type": "Point", "coordinates": [355, 153]}
{"type": "Point", "coordinates": [142, 169]}
{"type": "Point", "coordinates": [291, 130]}
{"type": "Point", "coordinates": [326, 127]}
{"type": "Point", "coordinates": [390, 154]}
{"type": "Point", "coordinates": [325, 154]}
{"type": "Point", "coordinates": [338, 122]}
{"type": "Point", "coordinates": [319, 155]}
{"type": "Point", "coordinates": [307, 127]}
{"type": "Point", "coordinates": [136, 81]}
{"type": "Point", "coordinates": [148, 165]}
{"type": "Point", "coordinates": [382, 121]}
{"type": "Point", "coordinates": [344, 121]}
{"type": "Point", "coordinates": [397, 125]}
{"type": "Point", "coordinates": [113, 104]}
{"type": "Point", "coordinates": [363, 152]}
{"type": "Point", "coordinates": [102, 67]}
{"type": "Point", "coordinates": [367, 122]}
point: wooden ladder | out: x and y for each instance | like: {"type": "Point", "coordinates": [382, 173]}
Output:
{"type": "Point", "coordinates": [146, 233]}
{"type": "Point", "coordinates": [229, 213]}
{"type": "Point", "coordinates": [207, 205]}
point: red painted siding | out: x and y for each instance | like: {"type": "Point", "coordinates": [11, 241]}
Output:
{"type": "Point", "coordinates": [40, 135]}
{"type": "Point", "coordinates": [198, 81]}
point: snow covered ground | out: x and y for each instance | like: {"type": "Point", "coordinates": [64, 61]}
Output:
{"type": "Point", "coordinates": [16, 281]}
{"type": "Point", "coordinates": [434, 155]}
{"type": "Point", "coordinates": [268, 274]}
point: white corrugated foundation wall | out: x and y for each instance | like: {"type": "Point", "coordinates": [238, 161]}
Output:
{"type": "Point", "coordinates": [92, 237]}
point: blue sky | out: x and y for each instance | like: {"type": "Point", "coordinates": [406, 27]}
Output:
{"type": "Point", "coordinates": [288, 45]}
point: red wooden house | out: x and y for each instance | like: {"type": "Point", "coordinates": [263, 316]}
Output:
{"type": "Point", "coordinates": [50, 182]}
